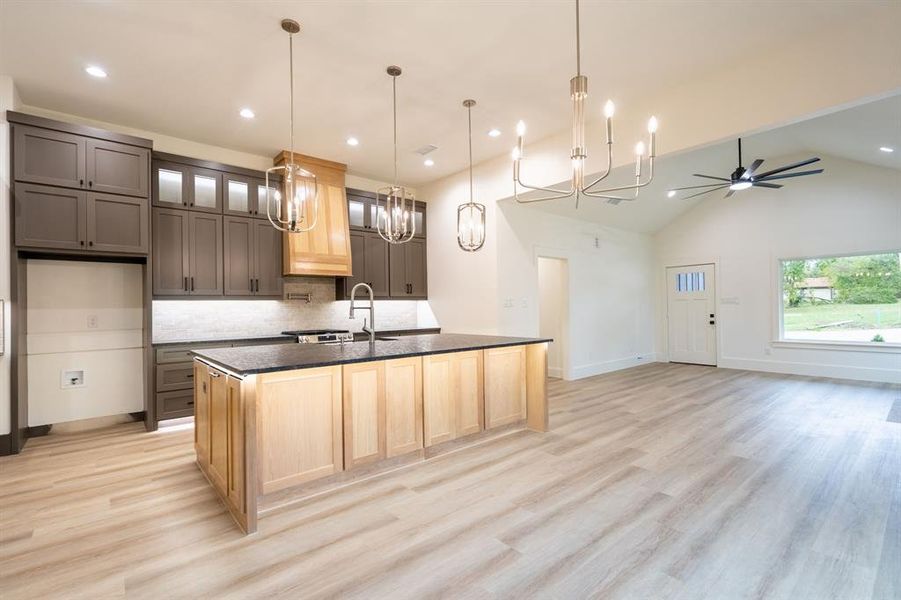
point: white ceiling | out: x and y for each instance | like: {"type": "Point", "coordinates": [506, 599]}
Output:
{"type": "Point", "coordinates": [185, 68]}
{"type": "Point", "coordinates": [854, 134]}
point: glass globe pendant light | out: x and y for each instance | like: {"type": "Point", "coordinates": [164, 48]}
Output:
{"type": "Point", "coordinates": [470, 215]}
{"type": "Point", "coordinates": [396, 219]}
{"type": "Point", "coordinates": [297, 206]}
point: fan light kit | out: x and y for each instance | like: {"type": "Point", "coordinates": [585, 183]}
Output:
{"type": "Point", "coordinates": [397, 224]}
{"type": "Point", "coordinates": [578, 87]}
{"type": "Point", "coordinates": [297, 209]}
{"type": "Point", "coordinates": [470, 215]}
{"type": "Point", "coordinates": [742, 178]}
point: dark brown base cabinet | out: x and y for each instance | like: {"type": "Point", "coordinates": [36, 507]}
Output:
{"type": "Point", "coordinates": [253, 255]}
{"type": "Point", "coordinates": [187, 253]}
{"type": "Point", "coordinates": [62, 219]}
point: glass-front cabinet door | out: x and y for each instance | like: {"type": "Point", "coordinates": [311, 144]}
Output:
{"type": "Point", "coordinates": [206, 190]}
{"type": "Point", "coordinates": [356, 211]}
{"type": "Point", "coordinates": [237, 190]}
{"type": "Point", "coordinates": [260, 195]}
{"type": "Point", "coordinates": [170, 185]}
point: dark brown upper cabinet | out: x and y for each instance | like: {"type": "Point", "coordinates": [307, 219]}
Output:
{"type": "Point", "coordinates": [187, 253]}
{"type": "Point", "coordinates": [392, 270]}
{"type": "Point", "coordinates": [259, 194]}
{"type": "Point", "coordinates": [253, 254]}
{"type": "Point", "coordinates": [178, 185]}
{"type": "Point", "coordinates": [117, 224]}
{"type": "Point", "coordinates": [49, 217]}
{"type": "Point", "coordinates": [48, 157]}
{"type": "Point", "coordinates": [58, 158]}
{"type": "Point", "coordinates": [407, 270]}
{"type": "Point", "coordinates": [245, 196]}
{"type": "Point", "coordinates": [115, 168]}
{"type": "Point", "coordinates": [61, 219]}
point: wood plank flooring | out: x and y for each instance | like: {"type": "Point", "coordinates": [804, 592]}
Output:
{"type": "Point", "coordinates": [662, 481]}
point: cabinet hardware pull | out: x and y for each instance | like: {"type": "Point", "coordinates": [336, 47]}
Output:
{"type": "Point", "coordinates": [189, 403]}
{"type": "Point", "coordinates": [214, 374]}
{"type": "Point", "coordinates": [81, 242]}
{"type": "Point", "coordinates": [192, 283]}
{"type": "Point", "coordinates": [189, 376]}
{"type": "Point", "coordinates": [81, 182]}
{"type": "Point", "coordinates": [91, 243]}
{"type": "Point", "coordinates": [186, 284]}
{"type": "Point", "coordinates": [90, 184]}
{"type": "Point", "coordinates": [258, 285]}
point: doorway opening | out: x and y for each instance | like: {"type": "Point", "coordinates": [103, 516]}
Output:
{"type": "Point", "coordinates": [691, 314]}
{"type": "Point", "coordinates": [553, 317]}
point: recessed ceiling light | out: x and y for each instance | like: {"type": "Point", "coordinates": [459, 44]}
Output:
{"type": "Point", "coordinates": [886, 149]}
{"type": "Point", "coordinates": [428, 162]}
{"type": "Point", "coordinates": [95, 71]}
{"type": "Point", "coordinates": [494, 132]}
{"type": "Point", "coordinates": [352, 141]}
{"type": "Point", "coordinates": [247, 113]}
{"type": "Point", "coordinates": [671, 193]}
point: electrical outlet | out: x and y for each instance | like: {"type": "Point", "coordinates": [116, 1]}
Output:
{"type": "Point", "coordinates": [71, 379]}
{"type": "Point", "coordinates": [92, 321]}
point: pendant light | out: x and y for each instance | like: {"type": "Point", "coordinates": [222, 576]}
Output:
{"type": "Point", "coordinates": [470, 215]}
{"type": "Point", "coordinates": [297, 206]}
{"type": "Point", "coordinates": [396, 222]}
{"type": "Point", "coordinates": [578, 91]}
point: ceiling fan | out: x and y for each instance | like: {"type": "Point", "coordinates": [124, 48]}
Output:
{"type": "Point", "coordinates": [742, 179]}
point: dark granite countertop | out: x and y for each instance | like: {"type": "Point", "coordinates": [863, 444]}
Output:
{"type": "Point", "coordinates": [360, 335]}
{"type": "Point", "coordinates": [231, 340]}
{"type": "Point", "coordinates": [249, 360]}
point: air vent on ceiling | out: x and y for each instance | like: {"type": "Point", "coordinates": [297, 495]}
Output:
{"type": "Point", "coordinates": [426, 149]}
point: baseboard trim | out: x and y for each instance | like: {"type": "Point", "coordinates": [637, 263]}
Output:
{"type": "Point", "coordinates": [600, 368]}
{"type": "Point", "coordinates": [813, 369]}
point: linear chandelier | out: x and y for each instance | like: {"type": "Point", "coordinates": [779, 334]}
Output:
{"type": "Point", "coordinates": [397, 224]}
{"type": "Point", "coordinates": [470, 215]}
{"type": "Point", "coordinates": [297, 210]}
{"type": "Point", "coordinates": [578, 87]}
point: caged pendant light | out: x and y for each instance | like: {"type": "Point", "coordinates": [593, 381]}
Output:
{"type": "Point", "coordinates": [578, 87]}
{"type": "Point", "coordinates": [396, 223]}
{"type": "Point", "coordinates": [470, 215]}
{"type": "Point", "coordinates": [297, 206]}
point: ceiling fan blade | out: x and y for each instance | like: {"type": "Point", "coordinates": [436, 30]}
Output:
{"type": "Point", "coordinates": [705, 192]}
{"type": "Point", "coordinates": [697, 187]}
{"type": "Point", "coordinates": [712, 177]}
{"type": "Point", "coordinates": [729, 193]}
{"type": "Point", "coordinates": [787, 175]}
{"type": "Point", "coordinates": [766, 185]}
{"type": "Point", "coordinates": [789, 167]}
{"type": "Point", "coordinates": [750, 171]}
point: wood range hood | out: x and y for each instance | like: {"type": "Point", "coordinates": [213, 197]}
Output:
{"type": "Point", "coordinates": [324, 250]}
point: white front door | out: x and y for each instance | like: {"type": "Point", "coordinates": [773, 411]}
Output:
{"type": "Point", "coordinates": [691, 314]}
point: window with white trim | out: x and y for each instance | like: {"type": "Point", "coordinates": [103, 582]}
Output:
{"type": "Point", "coordinates": [842, 299]}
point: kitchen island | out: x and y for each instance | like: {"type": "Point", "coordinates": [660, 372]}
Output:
{"type": "Point", "coordinates": [271, 420]}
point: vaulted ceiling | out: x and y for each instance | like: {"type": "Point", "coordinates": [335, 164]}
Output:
{"type": "Point", "coordinates": [186, 68]}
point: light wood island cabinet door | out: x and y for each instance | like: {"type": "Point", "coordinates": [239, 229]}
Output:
{"type": "Point", "coordinates": [235, 411]}
{"type": "Point", "coordinates": [453, 396]}
{"type": "Point", "coordinates": [299, 426]}
{"type": "Point", "coordinates": [364, 413]}
{"type": "Point", "coordinates": [505, 386]}
{"type": "Point", "coordinates": [201, 412]}
{"type": "Point", "coordinates": [218, 423]}
{"type": "Point", "coordinates": [403, 405]}
{"type": "Point", "coordinates": [469, 393]}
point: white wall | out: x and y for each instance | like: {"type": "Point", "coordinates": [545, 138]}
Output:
{"type": "Point", "coordinates": [8, 101]}
{"type": "Point", "coordinates": [552, 305]}
{"type": "Point", "coordinates": [851, 208]}
{"type": "Point", "coordinates": [84, 316]}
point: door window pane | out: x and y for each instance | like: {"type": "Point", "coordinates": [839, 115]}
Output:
{"type": "Point", "coordinates": [264, 193]}
{"type": "Point", "coordinates": [238, 196]}
{"type": "Point", "coordinates": [204, 191]}
{"type": "Point", "coordinates": [690, 282]}
{"type": "Point", "coordinates": [169, 184]}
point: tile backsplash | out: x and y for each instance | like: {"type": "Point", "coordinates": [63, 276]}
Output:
{"type": "Point", "coordinates": [176, 320]}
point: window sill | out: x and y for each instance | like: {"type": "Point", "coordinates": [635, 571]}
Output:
{"type": "Point", "coordinates": [881, 347]}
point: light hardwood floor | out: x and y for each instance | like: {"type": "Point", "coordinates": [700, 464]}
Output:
{"type": "Point", "coordinates": [663, 481]}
